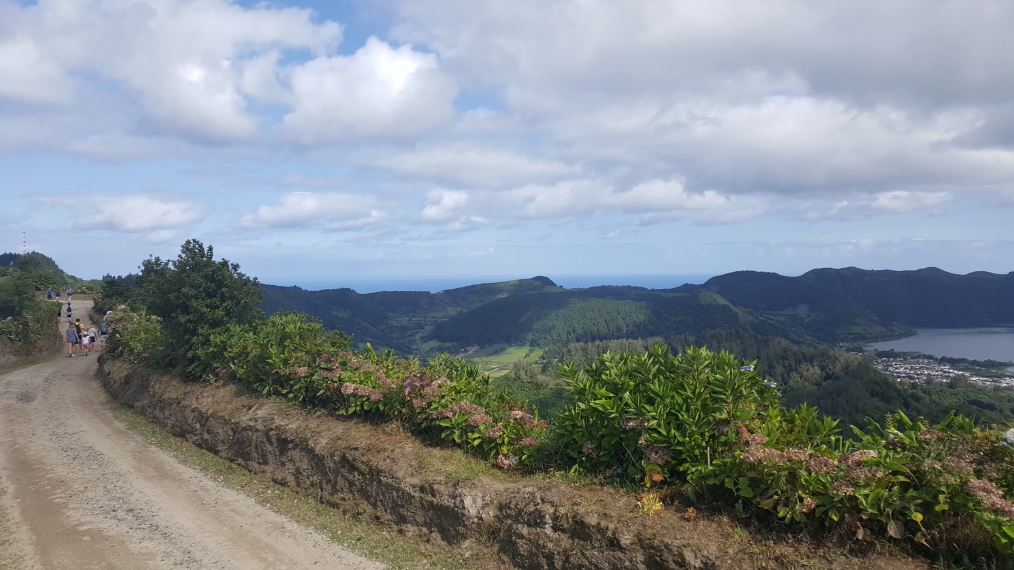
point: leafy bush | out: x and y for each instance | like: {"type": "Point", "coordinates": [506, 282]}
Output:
{"type": "Point", "coordinates": [708, 423]}
{"type": "Point", "coordinates": [294, 356]}
{"type": "Point", "coordinates": [24, 317]}
{"type": "Point", "coordinates": [656, 415]}
{"type": "Point", "coordinates": [138, 337]}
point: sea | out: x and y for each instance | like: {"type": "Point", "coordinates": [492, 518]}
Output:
{"type": "Point", "coordinates": [984, 343]}
{"type": "Point", "coordinates": [434, 284]}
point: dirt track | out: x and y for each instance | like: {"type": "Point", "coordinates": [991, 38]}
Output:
{"type": "Point", "coordinates": [82, 492]}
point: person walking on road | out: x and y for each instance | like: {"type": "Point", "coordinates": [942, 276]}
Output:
{"type": "Point", "coordinates": [71, 339]}
{"type": "Point", "coordinates": [49, 294]}
{"type": "Point", "coordinates": [79, 331]}
{"type": "Point", "coordinates": [103, 334]}
{"type": "Point", "coordinates": [68, 294]}
{"type": "Point", "coordinates": [92, 334]}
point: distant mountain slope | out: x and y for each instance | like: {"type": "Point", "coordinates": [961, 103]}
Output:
{"type": "Point", "coordinates": [599, 313]}
{"type": "Point", "coordinates": [840, 298]}
{"type": "Point", "coordinates": [393, 319]}
{"type": "Point", "coordinates": [36, 261]}
{"type": "Point", "coordinates": [822, 306]}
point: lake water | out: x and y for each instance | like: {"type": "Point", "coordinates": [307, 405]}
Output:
{"type": "Point", "coordinates": [987, 343]}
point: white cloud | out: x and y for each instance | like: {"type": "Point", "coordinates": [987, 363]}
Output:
{"type": "Point", "coordinates": [470, 165]}
{"type": "Point", "coordinates": [378, 91]}
{"type": "Point", "coordinates": [182, 62]}
{"type": "Point", "coordinates": [26, 75]}
{"type": "Point", "coordinates": [160, 218]}
{"type": "Point", "coordinates": [330, 211]}
{"type": "Point", "coordinates": [447, 202]}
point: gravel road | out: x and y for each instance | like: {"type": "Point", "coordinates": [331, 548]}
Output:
{"type": "Point", "coordinates": [83, 492]}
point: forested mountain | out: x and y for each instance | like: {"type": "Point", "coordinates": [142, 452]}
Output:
{"type": "Point", "coordinates": [823, 306]}
{"type": "Point", "coordinates": [599, 313]}
{"type": "Point", "coordinates": [35, 261]}
{"type": "Point", "coordinates": [394, 319]}
{"type": "Point", "coordinates": [840, 302]}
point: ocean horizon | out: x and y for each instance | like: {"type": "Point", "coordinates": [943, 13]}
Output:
{"type": "Point", "coordinates": [435, 284]}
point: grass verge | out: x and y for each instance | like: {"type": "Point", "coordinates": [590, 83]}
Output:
{"type": "Point", "coordinates": [374, 541]}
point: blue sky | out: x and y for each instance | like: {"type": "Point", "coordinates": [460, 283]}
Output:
{"type": "Point", "coordinates": [347, 142]}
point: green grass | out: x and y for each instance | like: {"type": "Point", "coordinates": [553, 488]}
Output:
{"type": "Point", "coordinates": [374, 541]}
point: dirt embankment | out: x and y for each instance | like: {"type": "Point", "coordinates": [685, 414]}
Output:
{"type": "Point", "coordinates": [13, 356]}
{"type": "Point", "coordinates": [381, 473]}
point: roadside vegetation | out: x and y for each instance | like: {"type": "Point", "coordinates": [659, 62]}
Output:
{"type": "Point", "coordinates": [696, 424]}
{"type": "Point", "coordinates": [25, 316]}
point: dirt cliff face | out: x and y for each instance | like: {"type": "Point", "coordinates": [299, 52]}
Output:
{"type": "Point", "coordinates": [381, 473]}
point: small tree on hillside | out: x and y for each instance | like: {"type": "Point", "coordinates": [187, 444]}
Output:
{"type": "Point", "coordinates": [195, 296]}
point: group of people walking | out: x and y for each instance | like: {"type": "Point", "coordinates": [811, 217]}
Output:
{"type": "Point", "coordinates": [81, 340]}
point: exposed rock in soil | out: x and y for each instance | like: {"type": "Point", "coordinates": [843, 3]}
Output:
{"type": "Point", "coordinates": [380, 472]}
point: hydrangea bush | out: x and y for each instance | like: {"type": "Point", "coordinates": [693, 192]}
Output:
{"type": "Point", "coordinates": [710, 424]}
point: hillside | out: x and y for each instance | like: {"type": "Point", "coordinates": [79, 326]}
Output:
{"type": "Point", "coordinates": [393, 319]}
{"type": "Point", "coordinates": [823, 306]}
{"type": "Point", "coordinates": [35, 261]}
{"type": "Point", "coordinates": [857, 304]}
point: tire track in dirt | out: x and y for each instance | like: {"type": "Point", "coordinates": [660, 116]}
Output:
{"type": "Point", "coordinates": [82, 492]}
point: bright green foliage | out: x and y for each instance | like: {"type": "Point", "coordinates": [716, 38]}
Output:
{"type": "Point", "coordinates": [24, 317]}
{"type": "Point", "coordinates": [138, 336]}
{"type": "Point", "coordinates": [294, 356]}
{"type": "Point", "coordinates": [654, 415]}
{"type": "Point", "coordinates": [264, 354]}
{"type": "Point", "coordinates": [708, 423]}
{"type": "Point", "coordinates": [196, 296]}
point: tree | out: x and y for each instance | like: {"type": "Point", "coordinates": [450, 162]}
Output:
{"type": "Point", "coordinates": [195, 296]}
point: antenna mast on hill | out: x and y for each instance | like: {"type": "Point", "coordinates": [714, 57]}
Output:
{"type": "Point", "coordinates": [24, 244]}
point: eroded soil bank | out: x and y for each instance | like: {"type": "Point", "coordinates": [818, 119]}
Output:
{"type": "Point", "coordinates": [13, 356]}
{"type": "Point", "coordinates": [382, 473]}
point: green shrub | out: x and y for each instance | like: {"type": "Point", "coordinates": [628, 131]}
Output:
{"type": "Point", "coordinates": [294, 356]}
{"type": "Point", "coordinates": [138, 337]}
{"type": "Point", "coordinates": [709, 424]}
{"type": "Point", "coordinates": [655, 415]}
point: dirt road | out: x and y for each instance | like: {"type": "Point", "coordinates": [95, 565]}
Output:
{"type": "Point", "coordinates": [82, 492]}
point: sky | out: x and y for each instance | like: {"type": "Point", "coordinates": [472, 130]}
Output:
{"type": "Point", "coordinates": [332, 143]}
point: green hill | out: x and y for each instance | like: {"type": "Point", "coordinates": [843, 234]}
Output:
{"type": "Point", "coordinates": [44, 265]}
{"type": "Point", "coordinates": [851, 304]}
{"type": "Point", "coordinates": [394, 319]}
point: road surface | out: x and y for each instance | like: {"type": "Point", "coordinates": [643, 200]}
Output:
{"type": "Point", "coordinates": [83, 492]}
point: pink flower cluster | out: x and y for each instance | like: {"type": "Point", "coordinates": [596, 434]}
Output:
{"type": "Point", "coordinates": [990, 495]}
{"type": "Point", "coordinates": [479, 420]}
{"type": "Point", "coordinates": [755, 451]}
{"type": "Point", "coordinates": [588, 450]}
{"type": "Point", "coordinates": [299, 371]}
{"type": "Point", "coordinates": [506, 462]}
{"type": "Point", "coordinates": [958, 466]}
{"type": "Point", "coordinates": [856, 457]}
{"type": "Point", "coordinates": [495, 433]}
{"type": "Point", "coordinates": [530, 441]}
{"type": "Point", "coordinates": [522, 417]}
{"type": "Point", "coordinates": [864, 473]}
{"type": "Point", "coordinates": [350, 389]}
{"type": "Point", "coordinates": [459, 408]}
{"type": "Point", "coordinates": [842, 489]}
{"type": "Point", "coordinates": [928, 434]}
{"type": "Point", "coordinates": [807, 505]}
{"type": "Point", "coordinates": [821, 464]}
